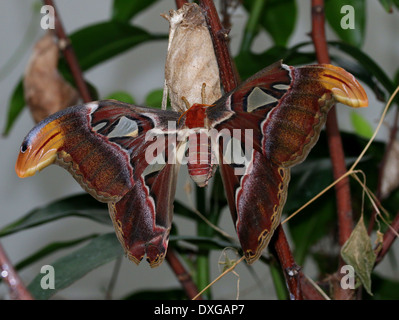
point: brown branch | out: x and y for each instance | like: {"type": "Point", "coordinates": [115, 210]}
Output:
{"type": "Point", "coordinates": [69, 55]}
{"type": "Point", "coordinates": [182, 275]}
{"type": "Point", "coordinates": [226, 21]}
{"type": "Point", "coordinates": [299, 286]}
{"type": "Point", "coordinates": [226, 6]}
{"type": "Point", "coordinates": [16, 287]}
{"type": "Point", "coordinates": [229, 81]}
{"type": "Point", "coordinates": [309, 292]}
{"type": "Point", "coordinates": [389, 238]}
{"type": "Point", "coordinates": [219, 37]}
{"type": "Point", "coordinates": [382, 168]}
{"type": "Point", "coordinates": [342, 189]}
{"type": "Point", "coordinates": [334, 138]}
{"type": "Point", "coordinates": [292, 272]}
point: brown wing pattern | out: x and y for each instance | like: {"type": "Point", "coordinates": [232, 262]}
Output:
{"type": "Point", "coordinates": [286, 108]}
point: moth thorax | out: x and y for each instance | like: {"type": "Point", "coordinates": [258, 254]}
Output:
{"type": "Point", "coordinates": [200, 160]}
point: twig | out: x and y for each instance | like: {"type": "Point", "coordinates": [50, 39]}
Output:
{"type": "Point", "coordinates": [311, 291]}
{"type": "Point", "coordinates": [219, 37]}
{"type": "Point", "coordinates": [226, 22]}
{"type": "Point", "coordinates": [344, 206]}
{"type": "Point", "coordinates": [114, 277]}
{"type": "Point", "coordinates": [16, 287]}
{"type": "Point", "coordinates": [292, 272]}
{"type": "Point", "coordinates": [69, 55]}
{"type": "Point", "coordinates": [226, 7]}
{"type": "Point", "coordinates": [219, 277]}
{"type": "Point", "coordinates": [182, 275]}
{"type": "Point", "coordinates": [392, 138]}
{"type": "Point", "coordinates": [342, 189]}
{"type": "Point", "coordinates": [389, 238]}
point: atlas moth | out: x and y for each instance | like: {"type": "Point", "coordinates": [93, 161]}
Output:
{"type": "Point", "coordinates": [104, 145]}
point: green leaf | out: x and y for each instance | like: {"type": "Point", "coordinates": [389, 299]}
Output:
{"type": "Point", "coordinates": [363, 66]}
{"type": "Point", "coordinates": [362, 74]}
{"type": "Point", "coordinates": [184, 211]}
{"type": "Point", "coordinates": [315, 221]}
{"type": "Point", "coordinates": [77, 264]}
{"type": "Point", "coordinates": [125, 10]}
{"type": "Point", "coordinates": [277, 17]}
{"type": "Point", "coordinates": [122, 96]}
{"type": "Point", "coordinates": [255, 11]}
{"type": "Point", "coordinates": [361, 125]}
{"type": "Point", "coordinates": [97, 43]}
{"type": "Point", "coordinates": [358, 252]}
{"type": "Point", "coordinates": [154, 99]}
{"type": "Point", "coordinates": [366, 62]}
{"type": "Point", "coordinates": [82, 205]}
{"type": "Point", "coordinates": [310, 177]}
{"type": "Point", "coordinates": [50, 249]}
{"type": "Point", "coordinates": [217, 199]}
{"type": "Point", "coordinates": [280, 19]}
{"type": "Point", "coordinates": [387, 5]}
{"type": "Point", "coordinates": [338, 18]}
{"type": "Point", "coordinates": [16, 105]}
{"type": "Point", "coordinates": [249, 63]}
{"type": "Point", "coordinates": [384, 288]}
{"type": "Point", "coordinates": [278, 279]}
{"type": "Point", "coordinates": [396, 77]}
{"type": "Point", "coordinates": [204, 242]}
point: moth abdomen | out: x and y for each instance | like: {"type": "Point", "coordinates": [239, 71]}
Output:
{"type": "Point", "coordinates": [199, 158]}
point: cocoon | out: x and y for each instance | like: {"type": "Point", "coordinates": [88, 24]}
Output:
{"type": "Point", "coordinates": [191, 59]}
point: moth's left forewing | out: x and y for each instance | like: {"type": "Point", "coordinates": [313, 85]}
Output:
{"type": "Point", "coordinates": [143, 217]}
{"type": "Point", "coordinates": [104, 146]}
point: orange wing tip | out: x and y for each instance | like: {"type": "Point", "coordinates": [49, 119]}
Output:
{"type": "Point", "coordinates": [345, 88]}
{"type": "Point", "coordinates": [27, 166]}
{"type": "Point", "coordinates": [39, 149]}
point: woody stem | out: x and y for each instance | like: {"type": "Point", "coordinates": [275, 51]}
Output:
{"type": "Point", "coordinates": [342, 189]}
{"type": "Point", "coordinates": [70, 56]}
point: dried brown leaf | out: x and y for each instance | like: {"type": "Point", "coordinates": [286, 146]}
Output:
{"type": "Point", "coordinates": [46, 92]}
{"type": "Point", "coordinates": [358, 253]}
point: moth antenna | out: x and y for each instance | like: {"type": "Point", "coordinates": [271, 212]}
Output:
{"type": "Point", "coordinates": [203, 93]}
{"type": "Point", "coordinates": [186, 102]}
{"type": "Point", "coordinates": [187, 107]}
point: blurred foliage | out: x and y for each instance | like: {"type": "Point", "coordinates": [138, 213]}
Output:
{"type": "Point", "coordinates": [313, 231]}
